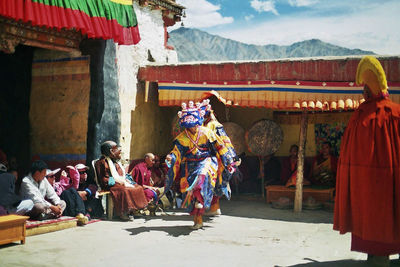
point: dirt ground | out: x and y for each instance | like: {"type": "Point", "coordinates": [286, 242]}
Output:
{"type": "Point", "coordinates": [249, 233]}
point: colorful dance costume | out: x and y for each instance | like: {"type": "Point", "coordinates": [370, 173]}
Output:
{"type": "Point", "coordinates": [194, 160]}
{"type": "Point", "coordinates": [224, 176]}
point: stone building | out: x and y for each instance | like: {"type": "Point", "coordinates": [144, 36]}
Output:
{"type": "Point", "coordinates": [69, 79]}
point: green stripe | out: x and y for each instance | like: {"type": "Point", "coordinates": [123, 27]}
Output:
{"type": "Point", "coordinates": [124, 14]}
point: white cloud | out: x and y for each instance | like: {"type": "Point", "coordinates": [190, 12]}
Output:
{"type": "Point", "coordinates": [300, 3]}
{"type": "Point", "coordinates": [264, 6]}
{"type": "Point", "coordinates": [249, 17]}
{"type": "Point", "coordinates": [369, 29]}
{"type": "Point", "coordinates": [203, 14]}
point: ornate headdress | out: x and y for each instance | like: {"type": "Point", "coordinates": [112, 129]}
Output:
{"type": "Point", "coordinates": [205, 105]}
{"type": "Point", "coordinates": [371, 73]}
{"type": "Point", "coordinates": [191, 115]}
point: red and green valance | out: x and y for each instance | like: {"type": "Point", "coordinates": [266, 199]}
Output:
{"type": "Point", "coordinates": [106, 19]}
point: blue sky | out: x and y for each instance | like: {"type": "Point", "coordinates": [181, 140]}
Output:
{"type": "Point", "coordinates": [365, 24]}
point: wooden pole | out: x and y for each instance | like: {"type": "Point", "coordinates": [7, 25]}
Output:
{"type": "Point", "coordinates": [298, 199]}
{"type": "Point", "coordinates": [146, 91]}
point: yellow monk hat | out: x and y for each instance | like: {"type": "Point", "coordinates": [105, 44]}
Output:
{"type": "Point", "coordinates": [371, 73]}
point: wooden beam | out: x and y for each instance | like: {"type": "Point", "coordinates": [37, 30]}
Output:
{"type": "Point", "coordinates": [298, 199]}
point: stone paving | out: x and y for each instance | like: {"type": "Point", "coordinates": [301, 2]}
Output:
{"type": "Point", "coordinates": [249, 233]}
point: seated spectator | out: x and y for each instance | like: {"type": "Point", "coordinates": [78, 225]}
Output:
{"type": "Point", "coordinates": [289, 168]}
{"type": "Point", "coordinates": [66, 190]}
{"type": "Point", "coordinates": [142, 175]}
{"type": "Point", "coordinates": [151, 176]}
{"type": "Point", "coordinates": [35, 187]}
{"type": "Point", "coordinates": [272, 170]}
{"type": "Point", "coordinates": [87, 192]}
{"type": "Point", "coordinates": [127, 195]}
{"type": "Point", "coordinates": [10, 202]}
{"type": "Point", "coordinates": [158, 172]}
{"type": "Point", "coordinates": [324, 167]}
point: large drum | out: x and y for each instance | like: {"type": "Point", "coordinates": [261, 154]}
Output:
{"type": "Point", "coordinates": [236, 134]}
{"type": "Point", "coordinates": [264, 137]}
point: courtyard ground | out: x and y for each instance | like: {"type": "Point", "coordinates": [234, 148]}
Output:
{"type": "Point", "coordinates": [249, 233]}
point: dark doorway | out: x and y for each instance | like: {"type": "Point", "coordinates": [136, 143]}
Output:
{"type": "Point", "coordinates": [15, 77]}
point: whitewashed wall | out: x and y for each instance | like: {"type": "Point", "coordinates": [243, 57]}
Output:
{"type": "Point", "coordinates": [130, 58]}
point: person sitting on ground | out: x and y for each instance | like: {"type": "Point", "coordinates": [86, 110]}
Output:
{"type": "Point", "coordinates": [87, 192]}
{"type": "Point", "coordinates": [289, 168]}
{"type": "Point", "coordinates": [324, 167]}
{"type": "Point", "coordinates": [67, 192]}
{"type": "Point", "coordinates": [9, 201]}
{"type": "Point", "coordinates": [34, 186]}
{"type": "Point", "coordinates": [272, 170]}
{"type": "Point", "coordinates": [127, 195]}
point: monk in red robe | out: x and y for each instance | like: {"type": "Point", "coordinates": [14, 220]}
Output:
{"type": "Point", "coordinates": [368, 174]}
{"type": "Point", "coordinates": [148, 175]}
{"type": "Point", "coordinates": [142, 174]}
{"type": "Point", "coordinates": [324, 167]}
{"type": "Point", "coordinates": [127, 195]}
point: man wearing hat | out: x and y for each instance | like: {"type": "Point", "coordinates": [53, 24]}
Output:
{"type": "Point", "coordinates": [368, 174]}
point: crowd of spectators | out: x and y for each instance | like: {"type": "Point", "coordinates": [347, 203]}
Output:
{"type": "Point", "coordinates": [47, 194]}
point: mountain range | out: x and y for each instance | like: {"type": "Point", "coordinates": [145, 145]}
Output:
{"type": "Point", "coordinates": [196, 45]}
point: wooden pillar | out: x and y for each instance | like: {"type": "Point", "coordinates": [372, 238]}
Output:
{"type": "Point", "coordinates": [298, 199]}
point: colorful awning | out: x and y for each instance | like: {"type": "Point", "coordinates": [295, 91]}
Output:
{"type": "Point", "coordinates": [270, 94]}
{"type": "Point", "coordinates": [106, 19]}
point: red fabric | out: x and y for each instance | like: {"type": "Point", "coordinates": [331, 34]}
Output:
{"type": "Point", "coordinates": [141, 174]}
{"type": "Point", "coordinates": [57, 17]}
{"type": "Point", "coordinates": [197, 197]}
{"type": "Point", "coordinates": [373, 247]}
{"type": "Point", "coordinates": [288, 169]}
{"type": "Point", "coordinates": [133, 164]}
{"type": "Point", "coordinates": [126, 199]}
{"type": "Point", "coordinates": [368, 175]}
{"type": "Point", "coordinates": [149, 194]}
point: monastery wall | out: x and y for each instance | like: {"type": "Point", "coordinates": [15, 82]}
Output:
{"type": "Point", "coordinates": [142, 123]}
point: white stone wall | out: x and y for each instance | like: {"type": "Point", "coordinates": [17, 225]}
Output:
{"type": "Point", "coordinates": [130, 58]}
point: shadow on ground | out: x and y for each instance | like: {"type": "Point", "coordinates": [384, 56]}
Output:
{"type": "Point", "coordinates": [347, 263]}
{"type": "Point", "coordinates": [259, 209]}
{"type": "Point", "coordinates": [256, 209]}
{"type": "Point", "coordinates": [175, 231]}
{"type": "Point", "coordinates": [171, 216]}
{"type": "Point", "coordinates": [9, 245]}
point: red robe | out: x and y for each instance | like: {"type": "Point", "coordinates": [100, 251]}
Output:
{"type": "Point", "coordinates": [125, 199]}
{"type": "Point", "coordinates": [368, 179]}
{"type": "Point", "coordinates": [141, 174]}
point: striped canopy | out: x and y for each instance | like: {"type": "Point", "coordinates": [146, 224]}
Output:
{"type": "Point", "coordinates": [106, 19]}
{"type": "Point", "coordinates": [270, 94]}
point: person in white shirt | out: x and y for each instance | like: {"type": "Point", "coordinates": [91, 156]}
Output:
{"type": "Point", "coordinates": [47, 204]}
